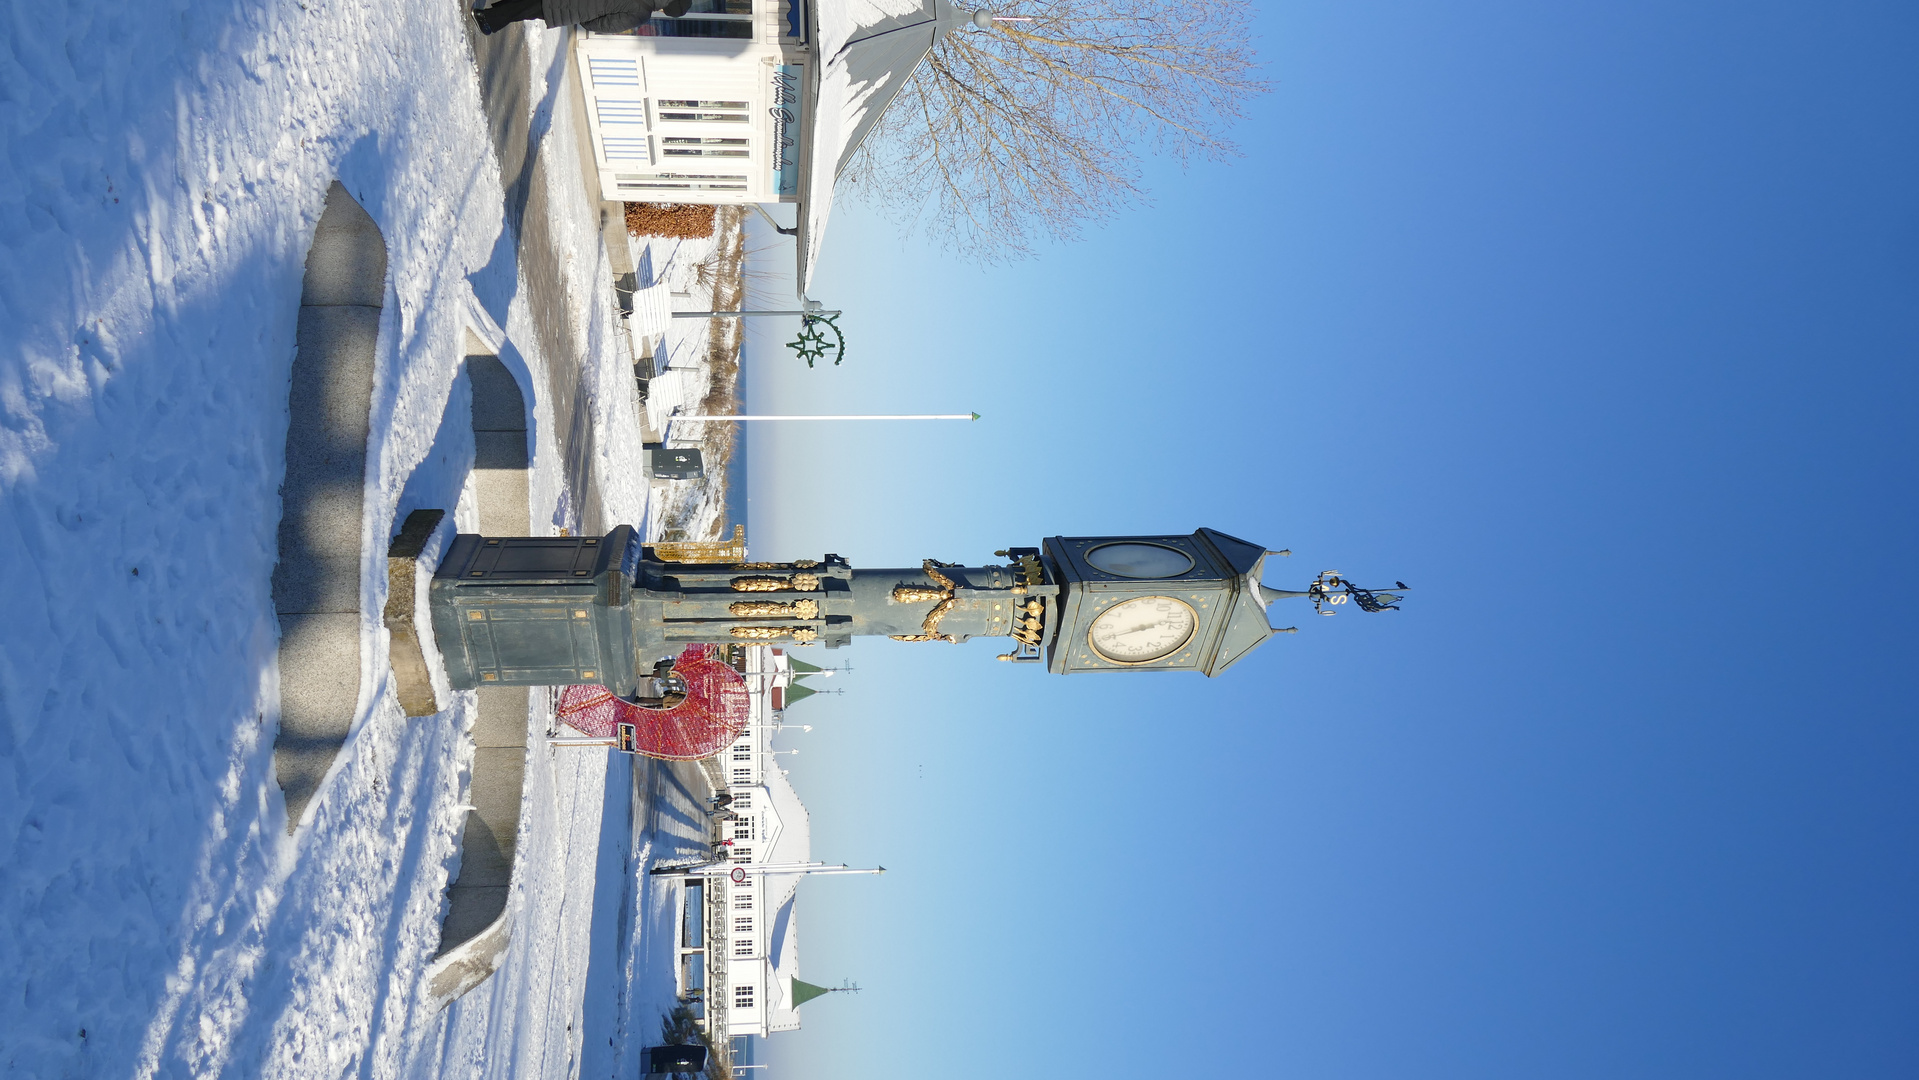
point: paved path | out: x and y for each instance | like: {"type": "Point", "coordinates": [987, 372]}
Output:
{"type": "Point", "coordinates": [512, 117]}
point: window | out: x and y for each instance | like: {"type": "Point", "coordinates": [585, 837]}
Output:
{"type": "Point", "coordinates": [706, 18]}
{"type": "Point", "coordinates": [680, 182]}
{"type": "Point", "coordinates": [621, 148]}
{"type": "Point", "coordinates": [743, 947]}
{"type": "Point", "coordinates": [701, 109]}
{"type": "Point", "coordinates": [680, 146]}
{"type": "Point", "coordinates": [740, 776]}
{"type": "Point", "coordinates": [744, 751]}
{"type": "Point", "coordinates": [743, 800]}
{"type": "Point", "coordinates": [697, 28]}
{"type": "Point", "coordinates": [742, 924]}
{"type": "Point", "coordinates": [693, 919]}
{"type": "Point", "coordinates": [742, 997]}
{"type": "Point", "coordinates": [743, 829]}
{"type": "Point", "coordinates": [621, 111]}
{"type": "Point", "coordinates": [743, 901]}
{"type": "Point", "coordinates": [742, 854]}
{"type": "Point", "coordinates": [613, 72]}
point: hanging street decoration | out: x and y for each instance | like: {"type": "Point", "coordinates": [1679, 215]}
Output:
{"type": "Point", "coordinates": [812, 344]}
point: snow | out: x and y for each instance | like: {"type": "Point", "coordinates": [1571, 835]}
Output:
{"type": "Point", "coordinates": [167, 163]}
{"type": "Point", "coordinates": [580, 991]}
{"type": "Point", "coordinates": [794, 844]}
{"type": "Point", "coordinates": [870, 48]}
{"type": "Point", "coordinates": [682, 375]}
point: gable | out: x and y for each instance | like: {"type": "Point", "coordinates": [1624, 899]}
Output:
{"type": "Point", "coordinates": [1246, 629]}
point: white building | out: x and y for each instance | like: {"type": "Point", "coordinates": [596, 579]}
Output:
{"type": "Point", "coordinates": [749, 101]}
{"type": "Point", "coordinates": [740, 934]}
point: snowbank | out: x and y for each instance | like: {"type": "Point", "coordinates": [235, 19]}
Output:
{"type": "Point", "coordinates": [167, 162]}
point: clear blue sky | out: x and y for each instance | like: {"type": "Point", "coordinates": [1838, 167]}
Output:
{"type": "Point", "coordinates": [1595, 323]}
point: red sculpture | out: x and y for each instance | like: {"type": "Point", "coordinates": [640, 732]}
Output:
{"type": "Point", "coordinates": [710, 717]}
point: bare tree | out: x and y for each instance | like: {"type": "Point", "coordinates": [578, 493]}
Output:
{"type": "Point", "coordinates": [1032, 128]}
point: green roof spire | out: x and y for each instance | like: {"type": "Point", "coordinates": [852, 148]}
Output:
{"type": "Point", "coordinates": [804, 992]}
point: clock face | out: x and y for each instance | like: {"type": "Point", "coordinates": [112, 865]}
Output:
{"type": "Point", "coordinates": [1136, 560]}
{"type": "Point", "coordinates": [1142, 630]}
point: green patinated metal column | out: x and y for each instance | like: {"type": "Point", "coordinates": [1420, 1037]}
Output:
{"type": "Point", "coordinates": [543, 611]}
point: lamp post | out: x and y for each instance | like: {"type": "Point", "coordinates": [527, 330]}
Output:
{"type": "Point", "coordinates": [744, 314]}
{"type": "Point", "coordinates": [815, 320]}
{"type": "Point", "coordinates": [831, 416]}
{"type": "Point", "coordinates": [983, 19]}
{"type": "Point", "coordinates": [739, 872]}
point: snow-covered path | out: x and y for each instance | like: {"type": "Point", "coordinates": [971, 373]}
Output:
{"type": "Point", "coordinates": [546, 1013]}
{"type": "Point", "coordinates": [166, 163]}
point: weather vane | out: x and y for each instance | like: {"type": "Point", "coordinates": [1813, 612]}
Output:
{"type": "Point", "coordinates": [1329, 590]}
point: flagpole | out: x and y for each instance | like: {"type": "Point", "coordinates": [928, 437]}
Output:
{"type": "Point", "coordinates": [743, 314]}
{"type": "Point", "coordinates": [888, 416]}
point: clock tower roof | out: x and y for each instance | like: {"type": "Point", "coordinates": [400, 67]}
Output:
{"type": "Point", "coordinates": [1242, 556]}
{"type": "Point", "coordinates": [1246, 630]}
{"type": "Point", "coordinates": [1246, 624]}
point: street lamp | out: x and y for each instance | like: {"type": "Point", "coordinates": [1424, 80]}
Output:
{"type": "Point", "coordinates": [828, 416]}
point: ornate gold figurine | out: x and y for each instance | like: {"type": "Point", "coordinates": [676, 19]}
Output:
{"type": "Point", "coordinates": [911, 594]}
{"type": "Point", "coordinates": [796, 583]}
{"type": "Point", "coordinates": [773, 609]}
{"type": "Point", "coordinates": [801, 635]}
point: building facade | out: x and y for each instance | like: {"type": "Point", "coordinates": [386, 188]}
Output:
{"type": "Point", "coordinates": [749, 101]}
{"type": "Point", "coordinates": [740, 926]}
{"type": "Point", "coordinates": [706, 108]}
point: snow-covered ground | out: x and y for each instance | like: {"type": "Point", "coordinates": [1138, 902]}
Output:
{"type": "Point", "coordinates": [165, 163]}
{"type": "Point", "coordinates": [584, 989]}
{"type": "Point", "coordinates": [685, 270]}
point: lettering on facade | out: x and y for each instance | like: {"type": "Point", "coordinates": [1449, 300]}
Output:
{"type": "Point", "coordinates": [785, 112]}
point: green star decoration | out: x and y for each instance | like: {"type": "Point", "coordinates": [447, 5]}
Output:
{"type": "Point", "coordinates": [812, 343]}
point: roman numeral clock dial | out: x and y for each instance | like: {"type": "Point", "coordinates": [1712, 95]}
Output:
{"type": "Point", "coordinates": [1142, 630]}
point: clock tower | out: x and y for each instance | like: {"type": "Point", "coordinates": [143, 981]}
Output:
{"type": "Point", "coordinates": [1155, 603]}
{"type": "Point", "coordinates": [541, 611]}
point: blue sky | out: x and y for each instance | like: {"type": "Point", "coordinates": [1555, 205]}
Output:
{"type": "Point", "coordinates": [1595, 323]}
